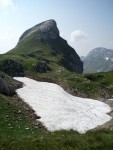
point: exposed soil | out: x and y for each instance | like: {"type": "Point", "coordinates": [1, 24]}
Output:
{"type": "Point", "coordinates": [29, 112]}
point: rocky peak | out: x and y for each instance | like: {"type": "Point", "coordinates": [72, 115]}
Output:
{"type": "Point", "coordinates": [97, 51]}
{"type": "Point", "coordinates": [100, 51]}
{"type": "Point", "coordinates": [44, 40]}
{"type": "Point", "coordinates": [47, 29]}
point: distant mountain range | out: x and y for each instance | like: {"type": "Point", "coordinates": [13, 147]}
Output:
{"type": "Point", "coordinates": [98, 60]}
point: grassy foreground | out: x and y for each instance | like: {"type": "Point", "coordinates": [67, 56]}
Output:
{"type": "Point", "coordinates": [18, 132]}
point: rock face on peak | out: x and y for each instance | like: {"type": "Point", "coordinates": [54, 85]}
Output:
{"type": "Point", "coordinates": [98, 60]}
{"type": "Point", "coordinates": [48, 29]}
{"type": "Point", "coordinates": [44, 41]}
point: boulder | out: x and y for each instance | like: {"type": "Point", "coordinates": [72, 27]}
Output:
{"type": "Point", "coordinates": [42, 67]}
{"type": "Point", "coordinates": [5, 88]}
{"type": "Point", "coordinates": [12, 67]}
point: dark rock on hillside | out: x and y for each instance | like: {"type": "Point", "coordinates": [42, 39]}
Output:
{"type": "Point", "coordinates": [12, 67]}
{"type": "Point", "coordinates": [42, 67]}
{"type": "Point", "coordinates": [70, 59]}
{"type": "Point", "coordinates": [98, 60]}
{"type": "Point", "coordinates": [5, 88]}
{"type": "Point", "coordinates": [44, 59]}
{"type": "Point", "coordinates": [70, 65]}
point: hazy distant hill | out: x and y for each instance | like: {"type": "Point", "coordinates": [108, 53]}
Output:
{"type": "Point", "coordinates": [98, 60]}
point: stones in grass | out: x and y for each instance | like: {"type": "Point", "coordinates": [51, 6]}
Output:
{"type": "Point", "coordinates": [5, 88]}
{"type": "Point", "coordinates": [42, 67]}
{"type": "Point", "coordinates": [12, 67]}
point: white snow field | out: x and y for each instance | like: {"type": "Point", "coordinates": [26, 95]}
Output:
{"type": "Point", "coordinates": [60, 110]}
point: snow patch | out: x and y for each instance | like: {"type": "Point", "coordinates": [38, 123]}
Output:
{"type": "Point", "coordinates": [60, 110]}
{"type": "Point", "coordinates": [107, 58]}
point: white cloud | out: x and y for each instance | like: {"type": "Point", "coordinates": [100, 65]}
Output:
{"type": "Point", "coordinates": [6, 3]}
{"type": "Point", "coordinates": [61, 34]}
{"type": "Point", "coordinates": [77, 35]}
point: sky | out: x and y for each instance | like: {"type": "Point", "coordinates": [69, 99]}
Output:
{"type": "Point", "coordinates": [85, 24]}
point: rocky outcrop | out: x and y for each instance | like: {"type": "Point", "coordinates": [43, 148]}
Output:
{"type": "Point", "coordinates": [12, 68]}
{"type": "Point", "coordinates": [42, 67]}
{"type": "Point", "coordinates": [69, 58]}
{"type": "Point", "coordinates": [5, 88]}
{"type": "Point", "coordinates": [47, 29]}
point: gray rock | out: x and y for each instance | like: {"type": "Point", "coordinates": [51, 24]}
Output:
{"type": "Point", "coordinates": [5, 88]}
{"type": "Point", "coordinates": [48, 29]}
{"type": "Point", "coordinates": [98, 60]}
{"type": "Point", "coordinates": [42, 67]}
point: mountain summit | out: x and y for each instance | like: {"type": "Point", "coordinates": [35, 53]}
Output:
{"type": "Point", "coordinates": [48, 29]}
{"type": "Point", "coordinates": [43, 40]}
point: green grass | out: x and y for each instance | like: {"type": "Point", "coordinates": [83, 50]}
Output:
{"type": "Point", "coordinates": [62, 141]}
